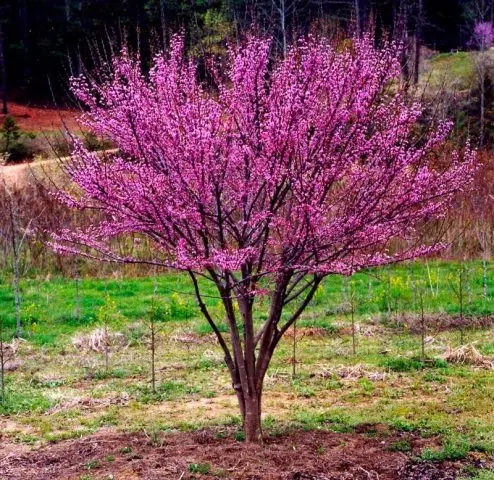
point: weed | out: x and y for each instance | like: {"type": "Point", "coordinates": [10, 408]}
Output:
{"type": "Point", "coordinates": [200, 468]}
{"type": "Point", "coordinates": [433, 376]}
{"type": "Point", "coordinates": [454, 448]}
{"type": "Point", "coordinates": [401, 445]}
{"type": "Point", "coordinates": [322, 323]}
{"type": "Point", "coordinates": [24, 399]}
{"type": "Point", "coordinates": [203, 328]}
{"type": "Point", "coordinates": [92, 464]}
{"type": "Point", "coordinates": [477, 474]}
{"type": "Point", "coordinates": [403, 425]}
{"type": "Point", "coordinates": [403, 364]}
{"type": "Point", "coordinates": [179, 308]}
{"type": "Point", "coordinates": [169, 390]}
{"type": "Point", "coordinates": [239, 436]}
{"type": "Point", "coordinates": [321, 449]}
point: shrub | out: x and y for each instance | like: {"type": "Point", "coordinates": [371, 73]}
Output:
{"type": "Point", "coordinates": [12, 145]}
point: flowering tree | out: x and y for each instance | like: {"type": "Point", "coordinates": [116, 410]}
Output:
{"type": "Point", "coordinates": [483, 35]}
{"type": "Point", "coordinates": [264, 180]}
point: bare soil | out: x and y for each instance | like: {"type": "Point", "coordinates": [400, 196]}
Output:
{"type": "Point", "coordinates": [209, 454]}
{"type": "Point", "coordinates": [35, 119]}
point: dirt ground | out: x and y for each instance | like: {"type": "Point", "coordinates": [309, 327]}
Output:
{"type": "Point", "coordinates": [35, 119]}
{"type": "Point", "coordinates": [313, 455]}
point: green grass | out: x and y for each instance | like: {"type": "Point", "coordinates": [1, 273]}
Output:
{"type": "Point", "coordinates": [49, 307]}
{"type": "Point", "coordinates": [487, 474]}
{"type": "Point", "coordinates": [59, 392]}
{"type": "Point", "coordinates": [454, 70]}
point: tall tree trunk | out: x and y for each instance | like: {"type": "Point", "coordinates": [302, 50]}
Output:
{"type": "Point", "coordinates": [3, 73]}
{"type": "Point", "coordinates": [362, 13]}
{"type": "Point", "coordinates": [358, 15]}
{"type": "Point", "coordinates": [405, 57]}
{"type": "Point", "coordinates": [67, 11]}
{"type": "Point", "coordinates": [418, 40]}
{"type": "Point", "coordinates": [24, 31]}
{"type": "Point", "coordinates": [163, 22]}
{"type": "Point", "coordinates": [482, 75]}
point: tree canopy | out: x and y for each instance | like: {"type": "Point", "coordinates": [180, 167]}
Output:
{"type": "Point", "coordinates": [263, 176]}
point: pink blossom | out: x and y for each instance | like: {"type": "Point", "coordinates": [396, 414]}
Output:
{"type": "Point", "coordinates": [278, 174]}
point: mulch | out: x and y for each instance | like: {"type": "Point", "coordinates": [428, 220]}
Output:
{"type": "Point", "coordinates": [209, 454]}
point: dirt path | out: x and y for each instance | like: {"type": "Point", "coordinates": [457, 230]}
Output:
{"type": "Point", "coordinates": [18, 173]}
{"type": "Point", "coordinates": [209, 454]}
{"type": "Point", "coordinates": [15, 174]}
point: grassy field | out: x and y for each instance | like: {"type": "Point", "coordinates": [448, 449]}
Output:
{"type": "Point", "coordinates": [61, 388]}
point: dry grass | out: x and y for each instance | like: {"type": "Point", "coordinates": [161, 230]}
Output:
{"type": "Point", "coordinates": [468, 355]}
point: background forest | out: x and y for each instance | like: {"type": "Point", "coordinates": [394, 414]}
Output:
{"type": "Point", "coordinates": [48, 39]}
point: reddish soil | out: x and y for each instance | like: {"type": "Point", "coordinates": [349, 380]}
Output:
{"type": "Point", "coordinates": [35, 119]}
{"type": "Point", "coordinates": [314, 455]}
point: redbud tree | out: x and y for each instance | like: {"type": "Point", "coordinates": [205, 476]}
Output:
{"type": "Point", "coordinates": [263, 177]}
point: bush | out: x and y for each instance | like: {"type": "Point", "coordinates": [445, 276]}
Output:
{"type": "Point", "coordinates": [12, 146]}
{"type": "Point", "coordinates": [405, 364]}
{"type": "Point", "coordinates": [179, 308]}
{"type": "Point", "coordinates": [94, 143]}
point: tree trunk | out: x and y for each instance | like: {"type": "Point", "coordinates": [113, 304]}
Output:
{"type": "Point", "coordinates": [252, 419]}
{"type": "Point", "coordinates": [418, 41]}
{"type": "Point", "coordinates": [67, 11]}
{"type": "Point", "coordinates": [3, 73]}
{"type": "Point", "coordinates": [249, 357]}
{"type": "Point", "coordinates": [163, 22]}
{"type": "Point", "coordinates": [482, 99]}
{"type": "Point", "coordinates": [358, 18]}
{"type": "Point", "coordinates": [405, 58]}
{"type": "Point", "coordinates": [24, 30]}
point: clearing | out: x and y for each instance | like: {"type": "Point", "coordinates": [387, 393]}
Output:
{"type": "Point", "coordinates": [383, 412]}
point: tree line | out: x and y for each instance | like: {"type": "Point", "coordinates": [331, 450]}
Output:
{"type": "Point", "coordinates": [42, 42]}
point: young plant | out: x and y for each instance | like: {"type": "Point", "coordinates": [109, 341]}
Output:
{"type": "Point", "coordinates": [294, 350]}
{"type": "Point", "coordinates": [10, 136]}
{"type": "Point", "coordinates": [423, 327]}
{"type": "Point", "coordinates": [263, 177]}
{"type": "Point", "coordinates": [77, 313]}
{"type": "Point", "coordinates": [457, 283]}
{"type": "Point", "coordinates": [2, 363]}
{"type": "Point", "coordinates": [352, 316]}
{"type": "Point", "coordinates": [108, 317]}
{"type": "Point", "coordinates": [158, 312]}
{"type": "Point", "coordinates": [12, 146]}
